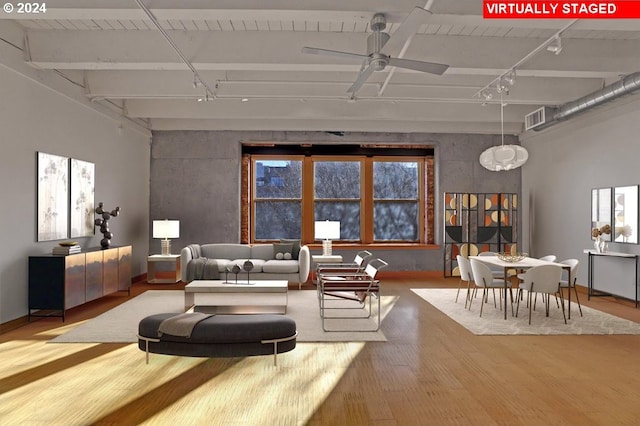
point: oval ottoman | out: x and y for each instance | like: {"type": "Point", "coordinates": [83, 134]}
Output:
{"type": "Point", "coordinates": [221, 336]}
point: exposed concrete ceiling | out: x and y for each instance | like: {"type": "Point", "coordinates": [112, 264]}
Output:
{"type": "Point", "coordinates": [251, 50]}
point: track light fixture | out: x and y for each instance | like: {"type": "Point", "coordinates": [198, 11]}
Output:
{"type": "Point", "coordinates": [501, 88]}
{"type": "Point", "coordinates": [510, 77]}
{"type": "Point", "coordinates": [555, 46]}
{"type": "Point", "coordinates": [552, 44]}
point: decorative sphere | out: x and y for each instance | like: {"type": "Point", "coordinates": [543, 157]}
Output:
{"type": "Point", "coordinates": [235, 269]}
{"type": "Point", "coordinates": [247, 266]}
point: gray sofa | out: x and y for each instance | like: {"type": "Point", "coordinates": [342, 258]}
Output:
{"type": "Point", "coordinates": [263, 256]}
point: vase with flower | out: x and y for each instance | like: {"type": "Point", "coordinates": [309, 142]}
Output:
{"type": "Point", "coordinates": [600, 244]}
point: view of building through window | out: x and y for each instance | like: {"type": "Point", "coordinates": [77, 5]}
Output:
{"type": "Point", "coordinates": [278, 199]}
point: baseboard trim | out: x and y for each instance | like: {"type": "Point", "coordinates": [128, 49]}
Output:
{"type": "Point", "coordinates": [408, 275]}
{"type": "Point", "coordinates": [13, 324]}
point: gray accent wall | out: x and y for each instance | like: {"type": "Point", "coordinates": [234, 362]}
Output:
{"type": "Point", "coordinates": [195, 178]}
{"type": "Point", "coordinates": [35, 118]}
{"type": "Point", "coordinates": [596, 149]}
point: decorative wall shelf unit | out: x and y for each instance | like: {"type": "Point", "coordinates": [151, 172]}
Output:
{"type": "Point", "coordinates": [478, 222]}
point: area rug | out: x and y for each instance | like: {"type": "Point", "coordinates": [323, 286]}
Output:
{"type": "Point", "coordinates": [120, 324]}
{"type": "Point", "coordinates": [492, 321]}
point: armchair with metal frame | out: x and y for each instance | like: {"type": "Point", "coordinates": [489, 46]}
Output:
{"type": "Point", "coordinates": [340, 268]}
{"type": "Point", "coordinates": [353, 286]}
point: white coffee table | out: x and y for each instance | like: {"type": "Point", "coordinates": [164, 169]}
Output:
{"type": "Point", "coordinates": [256, 297]}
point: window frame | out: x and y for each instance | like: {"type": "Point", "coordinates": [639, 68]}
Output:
{"type": "Point", "coordinates": [425, 198]}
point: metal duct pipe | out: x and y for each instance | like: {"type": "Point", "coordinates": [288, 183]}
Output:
{"type": "Point", "coordinates": [620, 88]}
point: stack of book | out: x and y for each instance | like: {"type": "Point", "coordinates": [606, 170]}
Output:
{"type": "Point", "coordinates": [67, 249]}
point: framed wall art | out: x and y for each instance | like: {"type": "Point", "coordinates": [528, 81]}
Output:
{"type": "Point", "coordinates": [53, 197]}
{"type": "Point", "coordinates": [82, 198]}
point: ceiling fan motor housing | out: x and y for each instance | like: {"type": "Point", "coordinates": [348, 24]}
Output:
{"type": "Point", "coordinates": [378, 22]}
{"type": "Point", "coordinates": [375, 41]}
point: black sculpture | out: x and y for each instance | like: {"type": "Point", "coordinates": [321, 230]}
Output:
{"type": "Point", "coordinates": [103, 223]}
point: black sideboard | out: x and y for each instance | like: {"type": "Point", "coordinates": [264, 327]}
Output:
{"type": "Point", "coordinates": [60, 282]}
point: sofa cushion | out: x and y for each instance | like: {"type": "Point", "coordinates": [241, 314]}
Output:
{"type": "Point", "coordinates": [262, 251]}
{"type": "Point", "coordinates": [226, 251]}
{"type": "Point", "coordinates": [280, 266]}
{"type": "Point", "coordinates": [257, 264]}
{"type": "Point", "coordinates": [295, 251]}
{"type": "Point", "coordinates": [280, 251]}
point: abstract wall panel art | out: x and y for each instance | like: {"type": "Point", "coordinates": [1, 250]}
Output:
{"type": "Point", "coordinates": [478, 222]}
{"type": "Point", "coordinates": [53, 197]}
{"type": "Point", "coordinates": [82, 198]}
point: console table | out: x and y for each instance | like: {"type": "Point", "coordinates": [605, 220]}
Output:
{"type": "Point", "coordinates": [618, 280]}
{"type": "Point", "coordinates": [60, 282]}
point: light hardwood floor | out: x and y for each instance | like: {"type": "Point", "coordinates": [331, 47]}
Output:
{"type": "Point", "coordinates": [431, 371]}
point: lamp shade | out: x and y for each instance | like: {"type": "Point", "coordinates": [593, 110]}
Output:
{"type": "Point", "coordinates": [166, 229]}
{"type": "Point", "coordinates": [503, 157]}
{"type": "Point", "coordinates": [327, 230]}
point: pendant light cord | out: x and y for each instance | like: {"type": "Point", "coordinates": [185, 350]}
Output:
{"type": "Point", "coordinates": [502, 119]}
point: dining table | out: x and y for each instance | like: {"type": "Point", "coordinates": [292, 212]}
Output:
{"type": "Point", "coordinates": [522, 264]}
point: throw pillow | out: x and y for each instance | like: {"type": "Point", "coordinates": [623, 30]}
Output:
{"type": "Point", "coordinates": [295, 252]}
{"type": "Point", "coordinates": [281, 249]}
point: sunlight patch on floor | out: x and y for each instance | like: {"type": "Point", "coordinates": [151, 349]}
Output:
{"type": "Point", "coordinates": [112, 381]}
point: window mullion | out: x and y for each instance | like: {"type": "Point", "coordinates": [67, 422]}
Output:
{"type": "Point", "coordinates": [366, 218]}
{"type": "Point", "coordinates": [307, 200]}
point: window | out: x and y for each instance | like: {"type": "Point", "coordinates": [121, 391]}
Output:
{"type": "Point", "coordinates": [336, 186]}
{"type": "Point", "coordinates": [278, 199]}
{"type": "Point", "coordinates": [396, 201]}
{"type": "Point", "coordinates": [378, 199]}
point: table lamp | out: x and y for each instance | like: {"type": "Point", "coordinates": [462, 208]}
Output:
{"type": "Point", "coordinates": [166, 229]}
{"type": "Point", "coordinates": [327, 230]}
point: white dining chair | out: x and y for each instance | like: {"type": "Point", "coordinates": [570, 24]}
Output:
{"type": "Point", "coordinates": [484, 279]}
{"type": "Point", "coordinates": [573, 273]}
{"type": "Point", "coordinates": [520, 276]}
{"type": "Point", "coordinates": [543, 279]}
{"type": "Point", "coordinates": [497, 271]}
{"type": "Point", "coordinates": [464, 266]}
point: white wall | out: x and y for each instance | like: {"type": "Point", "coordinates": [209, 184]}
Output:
{"type": "Point", "coordinates": [35, 118]}
{"type": "Point", "coordinates": [597, 149]}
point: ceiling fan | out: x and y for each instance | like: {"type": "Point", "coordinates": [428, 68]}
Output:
{"type": "Point", "coordinates": [381, 47]}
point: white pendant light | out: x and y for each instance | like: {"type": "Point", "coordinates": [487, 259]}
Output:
{"type": "Point", "coordinates": [503, 157]}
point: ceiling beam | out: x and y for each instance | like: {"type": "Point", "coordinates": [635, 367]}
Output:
{"type": "Point", "coordinates": [341, 12]}
{"type": "Point", "coordinates": [279, 51]}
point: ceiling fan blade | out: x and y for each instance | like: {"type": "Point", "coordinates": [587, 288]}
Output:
{"type": "Point", "coordinates": [407, 29]}
{"type": "Point", "coordinates": [430, 67]}
{"type": "Point", "coordinates": [362, 78]}
{"type": "Point", "coordinates": [346, 55]}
